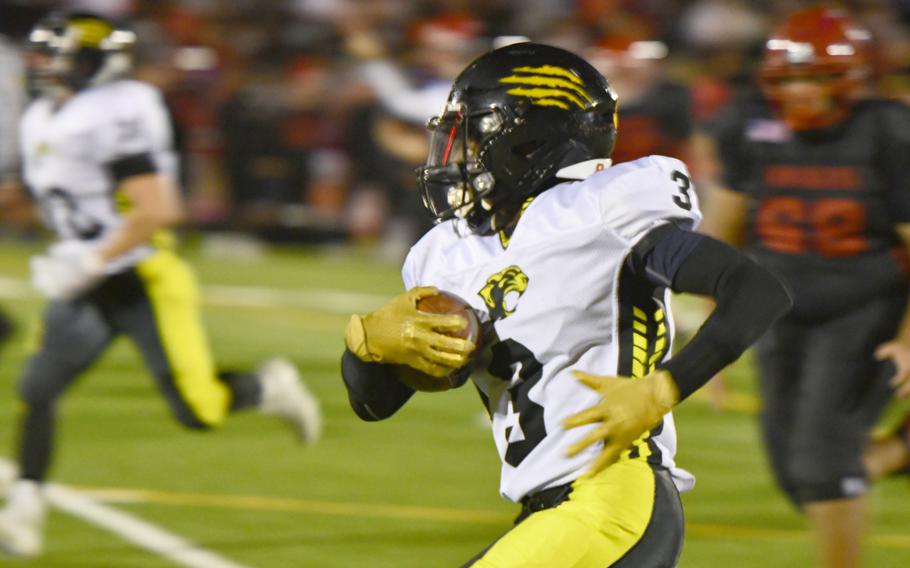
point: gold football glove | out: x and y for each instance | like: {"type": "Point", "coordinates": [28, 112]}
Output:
{"type": "Point", "coordinates": [398, 333]}
{"type": "Point", "coordinates": [629, 408]}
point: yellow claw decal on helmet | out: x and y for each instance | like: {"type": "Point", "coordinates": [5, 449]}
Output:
{"type": "Point", "coordinates": [550, 70]}
{"type": "Point", "coordinates": [548, 85]}
{"type": "Point", "coordinates": [502, 291]}
{"type": "Point", "coordinates": [550, 82]}
{"type": "Point", "coordinates": [545, 97]}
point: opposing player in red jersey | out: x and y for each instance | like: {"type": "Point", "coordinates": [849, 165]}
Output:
{"type": "Point", "coordinates": [817, 170]}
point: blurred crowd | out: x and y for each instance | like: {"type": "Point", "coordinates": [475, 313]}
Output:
{"type": "Point", "coordinates": [302, 120]}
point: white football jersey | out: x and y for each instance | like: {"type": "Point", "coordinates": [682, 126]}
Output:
{"type": "Point", "coordinates": [560, 297]}
{"type": "Point", "coordinates": [67, 152]}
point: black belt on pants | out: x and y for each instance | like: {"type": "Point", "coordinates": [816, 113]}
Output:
{"type": "Point", "coordinates": [545, 499]}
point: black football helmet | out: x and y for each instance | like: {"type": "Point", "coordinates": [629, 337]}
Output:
{"type": "Point", "coordinates": [514, 117]}
{"type": "Point", "coordinates": [72, 51]}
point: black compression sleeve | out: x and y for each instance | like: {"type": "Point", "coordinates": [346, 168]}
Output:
{"type": "Point", "coordinates": [132, 165]}
{"type": "Point", "coordinates": [374, 391]}
{"type": "Point", "coordinates": [657, 256]}
{"type": "Point", "coordinates": [749, 299]}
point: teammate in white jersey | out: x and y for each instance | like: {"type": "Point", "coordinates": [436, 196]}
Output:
{"type": "Point", "coordinates": [99, 162]}
{"type": "Point", "coordinates": [570, 261]}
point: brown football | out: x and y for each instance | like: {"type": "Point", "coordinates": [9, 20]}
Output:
{"type": "Point", "coordinates": [443, 303]}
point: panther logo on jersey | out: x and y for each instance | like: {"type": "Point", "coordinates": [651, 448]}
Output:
{"type": "Point", "coordinates": [502, 291]}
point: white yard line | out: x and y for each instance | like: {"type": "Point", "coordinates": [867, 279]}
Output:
{"type": "Point", "coordinates": [131, 529]}
{"type": "Point", "coordinates": [385, 511]}
{"type": "Point", "coordinates": [332, 301]}
{"type": "Point", "coordinates": [136, 531]}
{"type": "Point", "coordinates": [15, 289]}
{"type": "Point", "coordinates": [335, 301]}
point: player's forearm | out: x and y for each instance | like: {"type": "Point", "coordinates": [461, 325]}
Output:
{"type": "Point", "coordinates": [374, 391]}
{"type": "Point", "coordinates": [749, 299]}
{"type": "Point", "coordinates": [134, 232]}
{"type": "Point", "coordinates": [155, 207]}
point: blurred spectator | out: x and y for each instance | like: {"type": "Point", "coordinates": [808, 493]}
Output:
{"type": "Point", "coordinates": [342, 163]}
{"type": "Point", "coordinates": [285, 167]}
{"type": "Point", "coordinates": [723, 40]}
{"type": "Point", "coordinates": [12, 100]}
{"type": "Point", "coordinates": [655, 113]}
{"type": "Point", "coordinates": [388, 139]}
{"type": "Point", "coordinates": [14, 208]}
{"type": "Point", "coordinates": [192, 60]}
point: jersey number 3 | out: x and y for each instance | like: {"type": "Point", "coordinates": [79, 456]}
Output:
{"type": "Point", "coordinates": [525, 413]}
{"type": "Point", "coordinates": [62, 212]}
{"type": "Point", "coordinates": [683, 184]}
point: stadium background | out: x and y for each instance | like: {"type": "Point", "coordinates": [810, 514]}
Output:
{"type": "Point", "coordinates": [297, 177]}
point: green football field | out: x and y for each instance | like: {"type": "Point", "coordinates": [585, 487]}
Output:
{"type": "Point", "coordinates": [419, 490]}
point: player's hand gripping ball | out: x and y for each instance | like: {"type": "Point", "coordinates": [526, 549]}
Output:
{"type": "Point", "coordinates": [444, 303]}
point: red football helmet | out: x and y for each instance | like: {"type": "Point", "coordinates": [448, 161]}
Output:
{"type": "Point", "coordinates": [815, 64]}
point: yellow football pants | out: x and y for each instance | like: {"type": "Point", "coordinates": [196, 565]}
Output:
{"type": "Point", "coordinates": [605, 522]}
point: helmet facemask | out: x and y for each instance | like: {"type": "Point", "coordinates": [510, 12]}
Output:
{"type": "Point", "coordinates": [485, 163]}
{"type": "Point", "coordinates": [814, 96]}
{"type": "Point", "coordinates": [454, 183]}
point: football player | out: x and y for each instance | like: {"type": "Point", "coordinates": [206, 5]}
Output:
{"type": "Point", "coordinates": [99, 162]}
{"type": "Point", "coordinates": [570, 261]}
{"type": "Point", "coordinates": [820, 175]}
